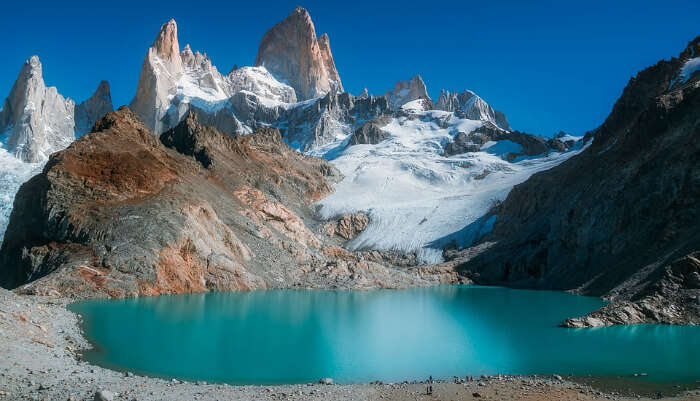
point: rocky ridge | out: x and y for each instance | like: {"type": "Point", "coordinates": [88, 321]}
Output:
{"type": "Point", "coordinates": [408, 91]}
{"type": "Point", "coordinates": [620, 219]}
{"type": "Point", "coordinates": [468, 105]}
{"type": "Point", "coordinates": [122, 213]}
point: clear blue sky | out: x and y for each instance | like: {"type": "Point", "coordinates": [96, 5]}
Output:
{"type": "Point", "coordinates": [548, 66]}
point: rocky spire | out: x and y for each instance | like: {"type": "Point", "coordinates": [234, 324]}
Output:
{"type": "Point", "coordinates": [93, 109]}
{"type": "Point", "coordinates": [151, 101]}
{"type": "Point", "coordinates": [292, 53]}
{"type": "Point", "coordinates": [324, 44]}
{"type": "Point", "coordinates": [167, 47]}
{"type": "Point", "coordinates": [36, 119]}
{"type": "Point", "coordinates": [406, 91]}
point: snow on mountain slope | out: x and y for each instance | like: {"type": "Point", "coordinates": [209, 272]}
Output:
{"type": "Point", "coordinates": [418, 200]}
{"type": "Point", "coordinates": [689, 68]}
{"type": "Point", "coordinates": [13, 172]}
{"type": "Point", "coordinates": [259, 81]}
{"type": "Point", "coordinates": [469, 105]}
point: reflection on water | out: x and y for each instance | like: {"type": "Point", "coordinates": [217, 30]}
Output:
{"type": "Point", "coordinates": [288, 336]}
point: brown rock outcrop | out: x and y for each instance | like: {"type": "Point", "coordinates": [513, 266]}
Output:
{"type": "Point", "coordinates": [121, 213]}
{"type": "Point", "coordinates": [292, 53]}
{"type": "Point", "coordinates": [347, 227]}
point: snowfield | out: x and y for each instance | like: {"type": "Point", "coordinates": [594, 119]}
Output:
{"type": "Point", "coordinates": [417, 200]}
{"type": "Point", "coordinates": [13, 173]}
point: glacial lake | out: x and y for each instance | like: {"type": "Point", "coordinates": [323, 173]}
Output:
{"type": "Point", "coordinates": [298, 336]}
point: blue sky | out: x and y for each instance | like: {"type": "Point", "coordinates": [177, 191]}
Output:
{"type": "Point", "coordinates": [547, 65]}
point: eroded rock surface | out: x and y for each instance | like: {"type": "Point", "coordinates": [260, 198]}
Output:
{"type": "Point", "coordinates": [123, 213]}
{"type": "Point", "coordinates": [347, 227]}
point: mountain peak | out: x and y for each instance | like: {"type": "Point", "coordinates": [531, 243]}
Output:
{"type": "Point", "coordinates": [32, 68]}
{"type": "Point", "coordinates": [39, 120]}
{"type": "Point", "coordinates": [93, 109]}
{"type": "Point", "coordinates": [166, 44]}
{"type": "Point", "coordinates": [407, 91]}
{"type": "Point", "coordinates": [292, 53]}
{"type": "Point", "coordinates": [468, 104]}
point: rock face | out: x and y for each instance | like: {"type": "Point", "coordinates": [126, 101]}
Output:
{"type": "Point", "coordinates": [468, 105]}
{"type": "Point", "coordinates": [39, 121]}
{"type": "Point", "coordinates": [292, 53]}
{"type": "Point", "coordinates": [93, 109]}
{"type": "Point", "coordinates": [407, 91]}
{"type": "Point", "coordinates": [347, 227]}
{"type": "Point", "coordinates": [121, 212]}
{"type": "Point", "coordinates": [531, 145]}
{"type": "Point", "coordinates": [371, 132]}
{"type": "Point", "coordinates": [610, 221]}
{"type": "Point", "coordinates": [160, 72]}
{"type": "Point", "coordinates": [674, 298]}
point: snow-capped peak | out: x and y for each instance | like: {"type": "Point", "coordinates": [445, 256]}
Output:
{"type": "Point", "coordinates": [469, 105]}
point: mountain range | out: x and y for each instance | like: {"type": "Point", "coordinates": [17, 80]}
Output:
{"type": "Point", "coordinates": [272, 176]}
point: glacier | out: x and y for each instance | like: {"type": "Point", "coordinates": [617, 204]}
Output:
{"type": "Point", "coordinates": [417, 199]}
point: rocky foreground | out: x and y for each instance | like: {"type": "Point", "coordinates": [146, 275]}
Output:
{"type": "Point", "coordinates": [41, 360]}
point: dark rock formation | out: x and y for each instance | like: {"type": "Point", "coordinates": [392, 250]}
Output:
{"type": "Point", "coordinates": [531, 145]}
{"type": "Point", "coordinates": [673, 298]}
{"type": "Point", "coordinates": [371, 132]}
{"type": "Point", "coordinates": [122, 213]}
{"type": "Point", "coordinates": [463, 143]}
{"type": "Point", "coordinates": [608, 221]}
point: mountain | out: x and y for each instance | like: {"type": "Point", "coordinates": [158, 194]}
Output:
{"type": "Point", "coordinates": [36, 120]}
{"type": "Point", "coordinates": [236, 159]}
{"type": "Point", "coordinates": [292, 53]}
{"type": "Point", "coordinates": [121, 212]}
{"type": "Point", "coordinates": [302, 105]}
{"type": "Point", "coordinates": [468, 105]}
{"type": "Point", "coordinates": [93, 109]}
{"type": "Point", "coordinates": [408, 91]}
{"type": "Point", "coordinates": [620, 219]}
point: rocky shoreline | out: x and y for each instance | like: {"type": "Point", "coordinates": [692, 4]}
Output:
{"type": "Point", "coordinates": [42, 344]}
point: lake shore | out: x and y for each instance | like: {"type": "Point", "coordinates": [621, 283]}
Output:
{"type": "Point", "coordinates": [41, 360]}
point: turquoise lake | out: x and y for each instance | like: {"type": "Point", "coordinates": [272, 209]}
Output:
{"type": "Point", "coordinates": [296, 336]}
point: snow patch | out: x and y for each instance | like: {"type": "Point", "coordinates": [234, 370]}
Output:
{"type": "Point", "coordinates": [687, 71]}
{"type": "Point", "coordinates": [13, 173]}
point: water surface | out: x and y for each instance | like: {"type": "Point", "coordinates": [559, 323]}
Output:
{"type": "Point", "coordinates": [294, 336]}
